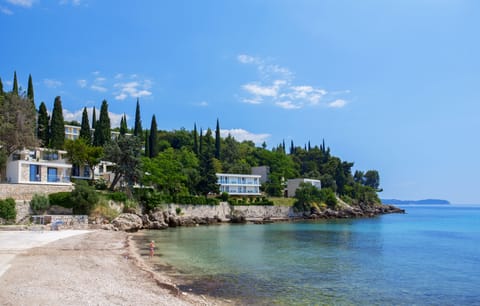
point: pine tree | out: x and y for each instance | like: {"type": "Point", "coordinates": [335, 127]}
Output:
{"type": "Point", "coordinates": [57, 127]}
{"type": "Point", "coordinates": [85, 132]}
{"type": "Point", "coordinates": [30, 94]}
{"type": "Point", "coordinates": [42, 125]}
{"type": "Point", "coordinates": [94, 118]}
{"type": "Point", "coordinates": [102, 127]}
{"type": "Point", "coordinates": [153, 138]}
{"type": "Point", "coordinates": [138, 122]}
{"type": "Point", "coordinates": [195, 139]}
{"type": "Point", "coordinates": [217, 141]}
{"type": "Point", "coordinates": [123, 125]}
{"type": "Point", "coordinates": [15, 84]}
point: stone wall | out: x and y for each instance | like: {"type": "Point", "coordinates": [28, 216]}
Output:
{"type": "Point", "coordinates": [67, 221]}
{"type": "Point", "coordinates": [25, 192]}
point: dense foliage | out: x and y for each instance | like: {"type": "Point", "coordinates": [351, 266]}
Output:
{"type": "Point", "coordinates": [84, 198]}
{"type": "Point", "coordinates": [8, 209]}
{"type": "Point", "coordinates": [39, 203]}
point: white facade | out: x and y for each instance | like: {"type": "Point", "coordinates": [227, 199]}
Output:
{"type": "Point", "coordinates": [39, 166]}
{"type": "Point", "coordinates": [239, 184]}
{"type": "Point", "coordinates": [292, 185]}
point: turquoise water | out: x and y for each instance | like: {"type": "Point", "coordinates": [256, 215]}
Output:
{"type": "Point", "coordinates": [429, 256]}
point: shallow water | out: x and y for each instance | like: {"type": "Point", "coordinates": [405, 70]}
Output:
{"type": "Point", "coordinates": [429, 256]}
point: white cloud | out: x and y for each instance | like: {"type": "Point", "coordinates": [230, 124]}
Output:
{"type": "Point", "coordinates": [50, 83]}
{"type": "Point", "coordinates": [133, 89]}
{"type": "Point", "coordinates": [241, 135]}
{"type": "Point", "coordinates": [277, 86]}
{"type": "Point", "coordinates": [82, 83]}
{"type": "Point", "coordinates": [5, 11]}
{"type": "Point", "coordinates": [77, 116]}
{"type": "Point", "coordinates": [99, 88]}
{"type": "Point", "coordinates": [72, 2]}
{"type": "Point", "coordinates": [339, 103]}
{"type": "Point", "coordinates": [22, 3]}
{"type": "Point", "coordinates": [202, 104]}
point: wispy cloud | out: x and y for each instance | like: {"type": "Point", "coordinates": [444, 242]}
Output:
{"type": "Point", "coordinates": [22, 3]}
{"type": "Point", "coordinates": [276, 85]}
{"type": "Point", "coordinates": [133, 88]}
{"type": "Point", "coordinates": [241, 135]}
{"type": "Point", "coordinates": [72, 2]}
{"type": "Point", "coordinates": [51, 83]}
{"type": "Point", "coordinates": [82, 83]}
{"type": "Point", "coordinates": [202, 104]}
{"type": "Point", "coordinates": [5, 11]}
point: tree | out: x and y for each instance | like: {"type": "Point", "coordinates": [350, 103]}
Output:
{"type": "Point", "coordinates": [153, 139]}
{"type": "Point", "coordinates": [17, 125]}
{"type": "Point", "coordinates": [125, 153]}
{"type": "Point", "coordinates": [358, 177]}
{"type": "Point", "coordinates": [30, 94]}
{"type": "Point", "coordinates": [15, 84]}
{"type": "Point", "coordinates": [85, 132]}
{"type": "Point", "coordinates": [42, 125]}
{"type": "Point", "coordinates": [217, 141]}
{"type": "Point", "coordinates": [147, 145]}
{"type": "Point", "coordinates": [1, 87]}
{"type": "Point", "coordinates": [57, 127]}
{"type": "Point", "coordinates": [94, 118]}
{"type": "Point", "coordinates": [372, 179]}
{"type": "Point", "coordinates": [102, 133]}
{"type": "Point", "coordinates": [138, 122]}
{"type": "Point", "coordinates": [123, 125]}
{"type": "Point", "coordinates": [195, 139]}
{"type": "Point", "coordinates": [79, 152]}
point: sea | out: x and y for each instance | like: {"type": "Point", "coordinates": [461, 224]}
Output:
{"type": "Point", "coordinates": [428, 256]}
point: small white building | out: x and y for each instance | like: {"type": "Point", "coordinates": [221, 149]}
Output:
{"type": "Point", "coordinates": [293, 184]}
{"type": "Point", "coordinates": [39, 166]}
{"type": "Point", "coordinates": [239, 184]}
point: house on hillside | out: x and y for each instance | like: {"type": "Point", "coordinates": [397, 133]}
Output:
{"type": "Point", "coordinates": [39, 166]}
{"type": "Point", "coordinates": [293, 184]}
{"type": "Point", "coordinates": [239, 184]}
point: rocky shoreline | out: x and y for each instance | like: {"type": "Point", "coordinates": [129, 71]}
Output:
{"type": "Point", "coordinates": [172, 216]}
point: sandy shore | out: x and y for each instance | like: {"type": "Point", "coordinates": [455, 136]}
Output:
{"type": "Point", "coordinates": [81, 268]}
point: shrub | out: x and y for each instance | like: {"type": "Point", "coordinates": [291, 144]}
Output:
{"type": "Point", "coordinates": [118, 196]}
{"type": "Point", "coordinates": [178, 210]}
{"type": "Point", "coordinates": [39, 203]}
{"type": "Point", "coordinates": [61, 199]}
{"type": "Point", "coordinates": [101, 184]}
{"type": "Point", "coordinates": [224, 196]}
{"type": "Point", "coordinates": [8, 211]}
{"type": "Point", "coordinates": [102, 209]}
{"type": "Point", "coordinates": [85, 197]}
{"type": "Point", "coordinates": [130, 206]}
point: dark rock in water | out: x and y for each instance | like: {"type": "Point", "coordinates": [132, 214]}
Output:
{"type": "Point", "coordinates": [237, 217]}
{"type": "Point", "coordinates": [128, 222]}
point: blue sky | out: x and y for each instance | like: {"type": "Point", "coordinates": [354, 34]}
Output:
{"type": "Point", "coordinates": [389, 85]}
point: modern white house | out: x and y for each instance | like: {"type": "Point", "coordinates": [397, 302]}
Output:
{"type": "Point", "coordinates": [39, 166]}
{"type": "Point", "coordinates": [239, 184]}
{"type": "Point", "coordinates": [293, 184]}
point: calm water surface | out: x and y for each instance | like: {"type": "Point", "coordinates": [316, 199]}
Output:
{"type": "Point", "coordinates": [429, 256]}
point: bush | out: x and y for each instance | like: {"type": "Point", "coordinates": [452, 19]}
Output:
{"type": "Point", "coordinates": [8, 211]}
{"type": "Point", "coordinates": [101, 184]}
{"type": "Point", "coordinates": [130, 206]}
{"type": "Point", "coordinates": [62, 199]}
{"type": "Point", "coordinates": [39, 203]}
{"type": "Point", "coordinates": [118, 196]}
{"type": "Point", "coordinates": [178, 210]}
{"type": "Point", "coordinates": [102, 209]}
{"type": "Point", "coordinates": [224, 196]}
{"type": "Point", "coordinates": [85, 197]}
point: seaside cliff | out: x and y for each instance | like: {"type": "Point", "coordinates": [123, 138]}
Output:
{"type": "Point", "coordinates": [173, 215]}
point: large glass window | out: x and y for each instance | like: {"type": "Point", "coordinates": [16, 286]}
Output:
{"type": "Point", "coordinates": [52, 175]}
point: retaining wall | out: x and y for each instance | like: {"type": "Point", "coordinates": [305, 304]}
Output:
{"type": "Point", "coordinates": [25, 192]}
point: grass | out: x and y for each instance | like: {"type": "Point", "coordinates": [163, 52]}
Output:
{"type": "Point", "coordinates": [278, 201]}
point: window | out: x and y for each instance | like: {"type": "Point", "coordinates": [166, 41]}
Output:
{"type": "Point", "coordinates": [52, 175]}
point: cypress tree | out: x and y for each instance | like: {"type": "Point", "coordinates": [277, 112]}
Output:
{"type": "Point", "coordinates": [153, 139]}
{"type": "Point", "coordinates": [57, 127]}
{"type": "Point", "coordinates": [94, 118]}
{"type": "Point", "coordinates": [1, 87]}
{"type": "Point", "coordinates": [102, 127]}
{"type": "Point", "coordinates": [292, 148]}
{"type": "Point", "coordinates": [195, 139]}
{"type": "Point", "coordinates": [123, 125]}
{"type": "Point", "coordinates": [42, 125]}
{"type": "Point", "coordinates": [15, 84]}
{"type": "Point", "coordinates": [147, 145]}
{"type": "Point", "coordinates": [200, 146]}
{"type": "Point", "coordinates": [85, 132]}
{"type": "Point", "coordinates": [217, 141]}
{"type": "Point", "coordinates": [138, 122]}
{"type": "Point", "coordinates": [30, 90]}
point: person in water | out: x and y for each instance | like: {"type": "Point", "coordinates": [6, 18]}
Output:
{"type": "Point", "coordinates": [152, 248]}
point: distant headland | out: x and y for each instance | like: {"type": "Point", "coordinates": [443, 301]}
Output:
{"type": "Point", "coordinates": [418, 202]}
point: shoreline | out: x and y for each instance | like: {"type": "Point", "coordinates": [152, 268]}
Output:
{"type": "Point", "coordinates": [94, 268]}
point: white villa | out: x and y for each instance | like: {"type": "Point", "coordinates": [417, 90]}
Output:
{"type": "Point", "coordinates": [293, 184]}
{"type": "Point", "coordinates": [239, 184]}
{"type": "Point", "coordinates": [39, 166]}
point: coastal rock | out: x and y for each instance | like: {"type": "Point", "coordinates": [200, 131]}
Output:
{"type": "Point", "coordinates": [128, 222]}
{"type": "Point", "coordinates": [238, 217]}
